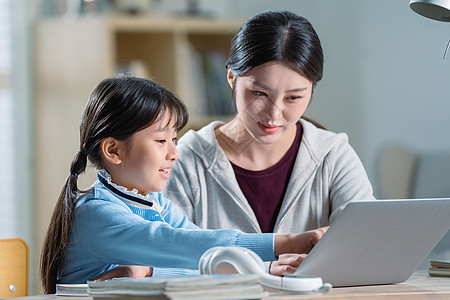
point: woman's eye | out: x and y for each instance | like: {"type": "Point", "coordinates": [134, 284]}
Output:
{"type": "Point", "coordinates": [161, 141]}
{"type": "Point", "coordinates": [175, 140]}
{"type": "Point", "coordinates": [294, 98]}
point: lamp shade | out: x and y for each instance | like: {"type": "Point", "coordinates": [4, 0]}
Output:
{"type": "Point", "coordinates": [438, 10]}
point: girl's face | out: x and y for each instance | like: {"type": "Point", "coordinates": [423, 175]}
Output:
{"type": "Point", "coordinates": [148, 157]}
{"type": "Point", "coordinates": [270, 99]}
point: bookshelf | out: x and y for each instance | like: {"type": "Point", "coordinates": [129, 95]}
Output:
{"type": "Point", "coordinates": [72, 55]}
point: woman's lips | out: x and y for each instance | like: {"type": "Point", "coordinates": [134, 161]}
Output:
{"type": "Point", "coordinates": [268, 129]}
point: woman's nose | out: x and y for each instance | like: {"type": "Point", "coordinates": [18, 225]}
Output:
{"type": "Point", "coordinates": [273, 109]}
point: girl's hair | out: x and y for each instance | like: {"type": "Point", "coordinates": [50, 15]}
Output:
{"type": "Point", "coordinates": [117, 107]}
{"type": "Point", "coordinates": [277, 36]}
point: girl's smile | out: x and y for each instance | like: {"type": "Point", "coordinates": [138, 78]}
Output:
{"type": "Point", "coordinates": [165, 172]}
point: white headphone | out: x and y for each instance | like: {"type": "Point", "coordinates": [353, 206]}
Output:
{"type": "Point", "coordinates": [228, 260]}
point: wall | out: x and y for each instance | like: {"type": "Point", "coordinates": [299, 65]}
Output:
{"type": "Point", "coordinates": [407, 82]}
{"type": "Point", "coordinates": [385, 80]}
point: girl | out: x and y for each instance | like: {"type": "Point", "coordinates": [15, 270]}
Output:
{"type": "Point", "coordinates": [269, 169]}
{"type": "Point", "coordinates": [128, 132]}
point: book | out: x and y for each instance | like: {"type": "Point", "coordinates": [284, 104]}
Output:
{"type": "Point", "coordinates": [443, 272]}
{"type": "Point", "coordinates": [235, 292]}
{"type": "Point", "coordinates": [224, 286]}
{"type": "Point", "coordinates": [440, 263]}
{"type": "Point", "coordinates": [126, 286]}
{"type": "Point", "coordinates": [218, 93]}
{"type": "Point", "coordinates": [71, 290]}
{"type": "Point", "coordinates": [439, 268]}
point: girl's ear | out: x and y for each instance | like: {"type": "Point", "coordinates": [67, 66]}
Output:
{"type": "Point", "coordinates": [112, 150]}
{"type": "Point", "coordinates": [230, 78]}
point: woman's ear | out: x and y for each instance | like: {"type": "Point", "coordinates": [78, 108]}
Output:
{"type": "Point", "coordinates": [112, 150]}
{"type": "Point", "coordinates": [230, 78]}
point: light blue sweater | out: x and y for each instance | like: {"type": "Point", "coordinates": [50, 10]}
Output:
{"type": "Point", "coordinates": [110, 228]}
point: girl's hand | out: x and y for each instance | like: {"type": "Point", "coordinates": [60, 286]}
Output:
{"type": "Point", "coordinates": [298, 243]}
{"type": "Point", "coordinates": [286, 264]}
{"type": "Point", "coordinates": [126, 271]}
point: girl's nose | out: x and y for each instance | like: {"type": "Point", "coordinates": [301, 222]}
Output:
{"type": "Point", "coordinates": [172, 154]}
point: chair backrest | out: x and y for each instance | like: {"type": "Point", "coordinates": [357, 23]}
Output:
{"type": "Point", "coordinates": [396, 172]}
{"type": "Point", "coordinates": [14, 264]}
{"type": "Point", "coordinates": [407, 173]}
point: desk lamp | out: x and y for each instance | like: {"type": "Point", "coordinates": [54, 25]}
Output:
{"type": "Point", "coordinates": [438, 10]}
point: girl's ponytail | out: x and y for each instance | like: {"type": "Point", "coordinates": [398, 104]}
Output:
{"type": "Point", "coordinates": [79, 163]}
{"type": "Point", "coordinates": [57, 239]}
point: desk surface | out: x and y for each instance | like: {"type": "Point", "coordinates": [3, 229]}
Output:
{"type": "Point", "coordinates": [419, 286]}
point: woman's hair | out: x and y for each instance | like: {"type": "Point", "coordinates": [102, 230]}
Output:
{"type": "Point", "coordinates": [117, 107]}
{"type": "Point", "coordinates": [277, 36]}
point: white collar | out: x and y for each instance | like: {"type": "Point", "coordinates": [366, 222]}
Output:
{"type": "Point", "coordinates": [150, 197]}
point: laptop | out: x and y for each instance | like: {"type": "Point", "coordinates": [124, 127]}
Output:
{"type": "Point", "coordinates": [378, 241]}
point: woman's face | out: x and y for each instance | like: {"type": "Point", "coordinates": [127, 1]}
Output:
{"type": "Point", "coordinates": [270, 99]}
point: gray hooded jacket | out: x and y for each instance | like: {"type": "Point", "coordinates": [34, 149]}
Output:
{"type": "Point", "coordinates": [327, 175]}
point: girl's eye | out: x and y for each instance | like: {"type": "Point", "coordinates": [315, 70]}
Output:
{"type": "Point", "coordinates": [161, 141]}
{"type": "Point", "coordinates": [259, 93]}
{"type": "Point", "coordinates": [175, 140]}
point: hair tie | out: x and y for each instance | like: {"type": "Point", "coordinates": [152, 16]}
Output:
{"type": "Point", "coordinates": [82, 152]}
{"type": "Point", "coordinates": [74, 174]}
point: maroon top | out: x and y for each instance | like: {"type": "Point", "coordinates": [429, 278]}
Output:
{"type": "Point", "coordinates": [265, 189]}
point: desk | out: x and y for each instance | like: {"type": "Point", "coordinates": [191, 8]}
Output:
{"type": "Point", "coordinates": [419, 286]}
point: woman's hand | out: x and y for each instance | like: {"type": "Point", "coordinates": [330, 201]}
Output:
{"type": "Point", "coordinates": [286, 264]}
{"type": "Point", "coordinates": [298, 243]}
{"type": "Point", "coordinates": [125, 271]}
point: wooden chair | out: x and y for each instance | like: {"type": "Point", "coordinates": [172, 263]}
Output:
{"type": "Point", "coordinates": [14, 264]}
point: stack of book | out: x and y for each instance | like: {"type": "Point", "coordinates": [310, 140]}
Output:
{"type": "Point", "coordinates": [439, 268]}
{"type": "Point", "coordinates": [130, 288]}
{"type": "Point", "coordinates": [229, 286]}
